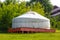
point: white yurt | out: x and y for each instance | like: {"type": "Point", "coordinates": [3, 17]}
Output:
{"type": "Point", "coordinates": [31, 19]}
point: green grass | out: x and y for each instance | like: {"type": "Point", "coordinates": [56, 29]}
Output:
{"type": "Point", "coordinates": [31, 36]}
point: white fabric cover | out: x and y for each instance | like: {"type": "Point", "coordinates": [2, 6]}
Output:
{"type": "Point", "coordinates": [32, 20]}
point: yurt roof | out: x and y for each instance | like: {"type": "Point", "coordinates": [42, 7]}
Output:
{"type": "Point", "coordinates": [32, 14]}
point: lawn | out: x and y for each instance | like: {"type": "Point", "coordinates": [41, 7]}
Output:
{"type": "Point", "coordinates": [30, 36]}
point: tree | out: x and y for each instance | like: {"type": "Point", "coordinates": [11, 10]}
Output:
{"type": "Point", "coordinates": [10, 1]}
{"type": "Point", "coordinates": [45, 3]}
{"type": "Point", "coordinates": [10, 11]}
{"type": "Point", "coordinates": [37, 7]}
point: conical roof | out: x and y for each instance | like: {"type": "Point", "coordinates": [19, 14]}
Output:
{"type": "Point", "coordinates": [32, 14]}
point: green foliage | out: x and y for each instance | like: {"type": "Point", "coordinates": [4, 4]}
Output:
{"type": "Point", "coordinates": [45, 3]}
{"type": "Point", "coordinates": [38, 8]}
{"type": "Point", "coordinates": [55, 22]}
{"type": "Point", "coordinates": [10, 11]}
{"type": "Point", "coordinates": [9, 1]}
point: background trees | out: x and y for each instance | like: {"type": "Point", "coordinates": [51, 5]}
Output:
{"type": "Point", "coordinates": [10, 1]}
{"type": "Point", "coordinates": [45, 3]}
{"type": "Point", "coordinates": [37, 7]}
{"type": "Point", "coordinates": [10, 9]}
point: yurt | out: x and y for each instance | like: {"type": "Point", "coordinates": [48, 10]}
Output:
{"type": "Point", "coordinates": [31, 19]}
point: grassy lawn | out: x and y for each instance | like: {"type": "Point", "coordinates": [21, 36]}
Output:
{"type": "Point", "coordinates": [31, 36]}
